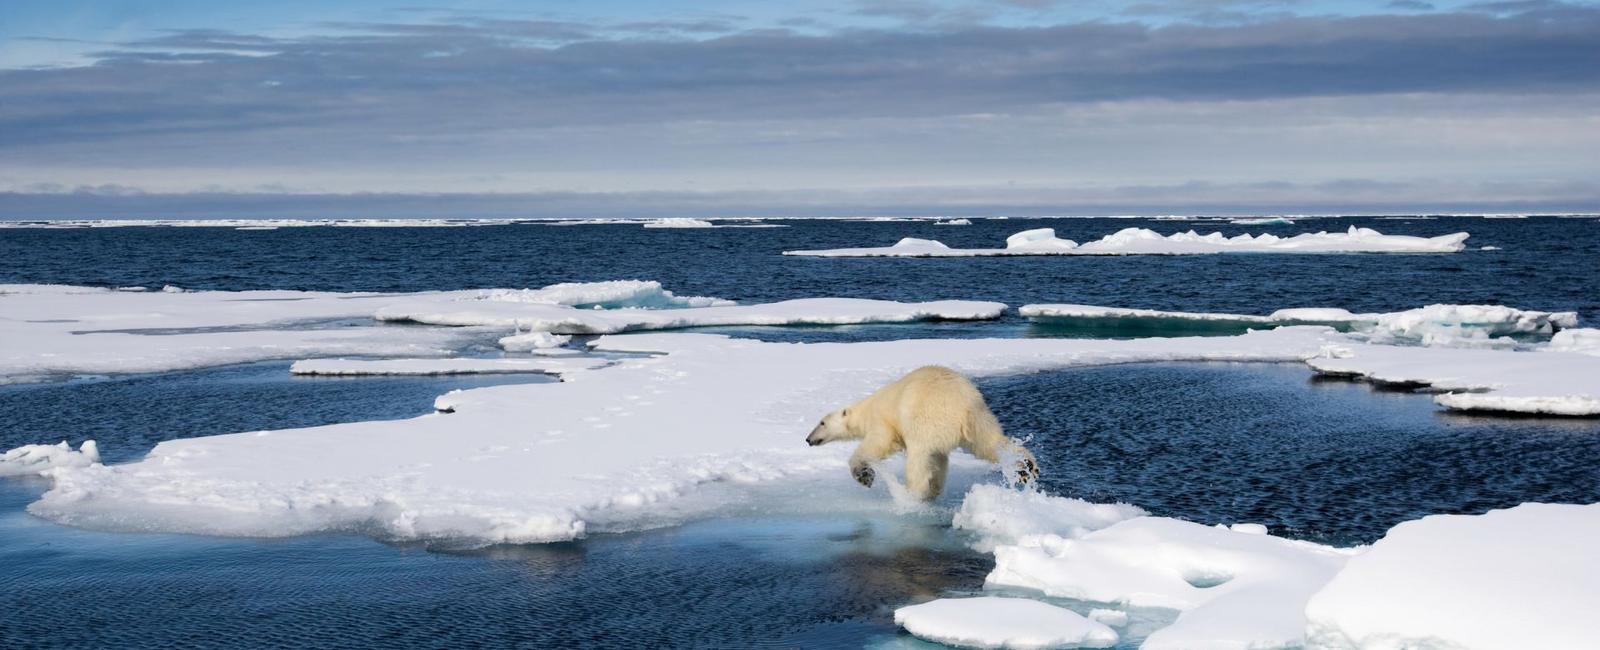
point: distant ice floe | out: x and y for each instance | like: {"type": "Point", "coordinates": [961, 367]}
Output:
{"type": "Point", "coordinates": [679, 223]}
{"type": "Point", "coordinates": [1263, 221]}
{"type": "Point", "coordinates": [538, 317]}
{"type": "Point", "coordinates": [1141, 241]}
{"type": "Point", "coordinates": [52, 331]}
{"type": "Point", "coordinates": [1440, 325]}
{"type": "Point", "coordinates": [350, 367]}
{"type": "Point", "coordinates": [1012, 623]}
{"type": "Point", "coordinates": [953, 222]}
{"type": "Point", "coordinates": [36, 459]}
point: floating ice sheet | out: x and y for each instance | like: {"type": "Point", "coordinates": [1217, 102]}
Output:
{"type": "Point", "coordinates": [347, 367]}
{"type": "Point", "coordinates": [567, 320]}
{"type": "Point", "coordinates": [634, 444]}
{"type": "Point", "coordinates": [1545, 382]}
{"type": "Point", "coordinates": [1142, 241]}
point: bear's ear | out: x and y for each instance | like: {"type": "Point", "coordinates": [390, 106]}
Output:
{"type": "Point", "coordinates": [845, 413]}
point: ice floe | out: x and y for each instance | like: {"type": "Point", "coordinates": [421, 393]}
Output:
{"type": "Point", "coordinates": [1262, 221]}
{"type": "Point", "coordinates": [1583, 340]}
{"type": "Point", "coordinates": [61, 330]}
{"type": "Point", "coordinates": [645, 441]}
{"type": "Point", "coordinates": [346, 367]}
{"type": "Point", "coordinates": [1444, 325]}
{"type": "Point", "coordinates": [1142, 241]}
{"type": "Point", "coordinates": [1545, 382]}
{"type": "Point", "coordinates": [540, 342]}
{"type": "Point", "coordinates": [443, 310]}
{"type": "Point", "coordinates": [1524, 577]}
{"type": "Point", "coordinates": [1009, 623]}
{"type": "Point", "coordinates": [35, 459]}
{"type": "Point", "coordinates": [953, 222]}
{"type": "Point", "coordinates": [679, 223]}
{"type": "Point", "coordinates": [999, 516]}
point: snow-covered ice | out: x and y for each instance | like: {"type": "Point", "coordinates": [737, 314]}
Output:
{"type": "Point", "coordinates": [543, 342]}
{"type": "Point", "coordinates": [1524, 577]}
{"type": "Point", "coordinates": [1142, 241]}
{"type": "Point", "coordinates": [1583, 340]}
{"type": "Point", "coordinates": [35, 459]}
{"type": "Point", "coordinates": [434, 310]}
{"type": "Point", "coordinates": [1443, 325]}
{"type": "Point", "coordinates": [1262, 221]}
{"type": "Point", "coordinates": [48, 330]}
{"type": "Point", "coordinates": [641, 442]}
{"type": "Point", "coordinates": [1009, 623]}
{"type": "Point", "coordinates": [1000, 516]}
{"type": "Point", "coordinates": [679, 223]}
{"type": "Point", "coordinates": [1546, 382]}
{"type": "Point", "coordinates": [953, 222]}
{"type": "Point", "coordinates": [443, 366]}
{"type": "Point", "coordinates": [1234, 589]}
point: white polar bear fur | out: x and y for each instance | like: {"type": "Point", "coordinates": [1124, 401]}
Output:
{"type": "Point", "coordinates": [928, 413]}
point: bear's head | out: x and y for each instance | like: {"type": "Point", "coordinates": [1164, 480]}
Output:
{"type": "Point", "coordinates": [834, 426]}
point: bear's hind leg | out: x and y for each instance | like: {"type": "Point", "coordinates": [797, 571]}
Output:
{"type": "Point", "coordinates": [925, 472]}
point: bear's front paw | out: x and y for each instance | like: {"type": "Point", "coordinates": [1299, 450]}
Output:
{"type": "Point", "coordinates": [1027, 471]}
{"type": "Point", "coordinates": [864, 475]}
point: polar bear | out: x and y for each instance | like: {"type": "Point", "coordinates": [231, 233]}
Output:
{"type": "Point", "coordinates": [928, 413]}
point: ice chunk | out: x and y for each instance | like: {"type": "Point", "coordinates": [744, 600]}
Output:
{"type": "Point", "coordinates": [1005, 516]}
{"type": "Point", "coordinates": [953, 222]}
{"type": "Point", "coordinates": [1141, 241]}
{"type": "Point", "coordinates": [1581, 340]}
{"type": "Point", "coordinates": [1109, 617]}
{"type": "Point", "coordinates": [568, 320]}
{"type": "Point", "coordinates": [1554, 383]}
{"type": "Point", "coordinates": [1012, 623]}
{"type": "Point", "coordinates": [441, 366]}
{"type": "Point", "coordinates": [1234, 589]}
{"type": "Point", "coordinates": [679, 223]}
{"type": "Point", "coordinates": [1524, 577]}
{"type": "Point", "coordinates": [533, 341]}
{"type": "Point", "coordinates": [610, 294]}
{"type": "Point", "coordinates": [1455, 324]}
{"type": "Point", "coordinates": [1262, 221]}
{"type": "Point", "coordinates": [36, 459]}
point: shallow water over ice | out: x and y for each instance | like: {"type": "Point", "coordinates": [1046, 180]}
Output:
{"type": "Point", "coordinates": [1208, 442]}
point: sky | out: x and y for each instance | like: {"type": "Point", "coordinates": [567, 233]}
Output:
{"type": "Point", "coordinates": [486, 108]}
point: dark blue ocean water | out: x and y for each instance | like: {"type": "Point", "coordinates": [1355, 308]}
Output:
{"type": "Point", "coordinates": [1330, 461]}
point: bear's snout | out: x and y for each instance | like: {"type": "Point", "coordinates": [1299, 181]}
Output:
{"type": "Point", "coordinates": [813, 439]}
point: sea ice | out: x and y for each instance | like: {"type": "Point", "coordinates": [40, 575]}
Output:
{"type": "Point", "coordinates": [629, 445]}
{"type": "Point", "coordinates": [1141, 241]}
{"type": "Point", "coordinates": [35, 459]}
{"type": "Point", "coordinates": [1233, 589]}
{"type": "Point", "coordinates": [1003, 516]}
{"type": "Point", "coordinates": [569, 320]}
{"type": "Point", "coordinates": [1010, 623]}
{"type": "Point", "coordinates": [1263, 221]}
{"type": "Point", "coordinates": [1583, 340]}
{"type": "Point", "coordinates": [443, 366]}
{"type": "Point", "coordinates": [679, 223]}
{"type": "Point", "coordinates": [1442, 325]}
{"type": "Point", "coordinates": [1552, 383]}
{"type": "Point", "coordinates": [1524, 577]}
{"type": "Point", "coordinates": [542, 341]}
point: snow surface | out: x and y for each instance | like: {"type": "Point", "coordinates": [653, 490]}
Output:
{"type": "Point", "coordinates": [1444, 325]}
{"type": "Point", "coordinates": [48, 330]}
{"type": "Point", "coordinates": [1546, 382]}
{"type": "Point", "coordinates": [1011, 623]}
{"type": "Point", "coordinates": [37, 459]}
{"type": "Point", "coordinates": [443, 366]}
{"type": "Point", "coordinates": [648, 441]}
{"type": "Point", "coordinates": [1525, 577]}
{"type": "Point", "coordinates": [443, 310]}
{"type": "Point", "coordinates": [1142, 241]}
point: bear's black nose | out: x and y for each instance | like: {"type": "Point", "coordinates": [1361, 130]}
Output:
{"type": "Point", "coordinates": [812, 441]}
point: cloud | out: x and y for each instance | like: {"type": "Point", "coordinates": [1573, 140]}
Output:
{"type": "Point", "coordinates": [489, 74]}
